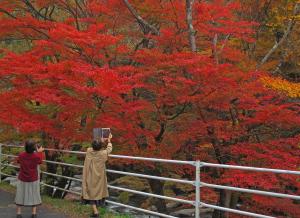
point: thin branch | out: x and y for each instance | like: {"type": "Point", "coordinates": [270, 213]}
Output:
{"type": "Point", "coordinates": [39, 31]}
{"type": "Point", "coordinates": [181, 111]}
{"type": "Point", "coordinates": [215, 49]}
{"type": "Point", "coordinates": [34, 11]}
{"type": "Point", "coordinates": [80, 7]}
{"type": "Point", "coordinates": [51, 12]}
{"type": "Point", "coordinates": [147, 27]}
{"type": "Point", "coordinates": [277, 69]}
{"type": "Point", "coordinates": [7, 13]}
{"type": "Point", "coordinates": [72, 12]}
{"type": "Point", "coordinates": [224, 43]}
{"type": "Point", "coordinates": [175, 14]}
{"type": "Point", "coordinates": [18, 39]}
{"type": "Point", "coordinates": [288, 30]}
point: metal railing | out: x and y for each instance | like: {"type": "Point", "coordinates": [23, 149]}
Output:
{"type": "Point", "coordinates": [197, 203]}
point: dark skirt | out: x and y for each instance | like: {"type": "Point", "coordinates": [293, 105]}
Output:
{"type": "Point", "coordinates": [98, 203]}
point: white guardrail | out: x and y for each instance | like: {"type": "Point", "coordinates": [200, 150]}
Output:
{"type": "Point", "coordinates": [197, 203]}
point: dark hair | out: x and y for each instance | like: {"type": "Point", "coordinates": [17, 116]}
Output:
{"type": "Point", "coordinates": [97, 145]}
{"type": "Point", "coordinates": [30, 146]}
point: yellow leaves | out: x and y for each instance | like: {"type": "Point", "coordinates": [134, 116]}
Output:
{"type": "Point", "coordinates": [207, 145]}
{"type": "Point", "coordinates": [297, 17]}
{"type": "Point", "coordinates": [280, 13]}
{"type": "Point", "coordinates": [288, 88]}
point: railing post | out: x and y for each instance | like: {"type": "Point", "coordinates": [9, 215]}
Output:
{"type": "Point", "coordinates": [0, 162]}
{"type": "Point", "coordinates": [197, 201]}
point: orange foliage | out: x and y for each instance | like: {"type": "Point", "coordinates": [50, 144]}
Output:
{"type": "Point", "coordinates": [288, 88]}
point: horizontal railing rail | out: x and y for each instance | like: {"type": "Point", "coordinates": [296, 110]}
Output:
{"type": "Point", "coordinates": [196, 183]}
{"type": "Point", "coordinates": [257, 169]}
{"type": "Point", "coordinates": [266, 193]}
{"type": "Point", "coordinates": [151, 177]}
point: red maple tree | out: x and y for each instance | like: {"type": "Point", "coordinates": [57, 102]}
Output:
{"type": "Point", "coordinates": [169, 77]}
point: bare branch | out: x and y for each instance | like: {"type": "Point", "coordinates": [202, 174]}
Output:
{"type": "Point", "coordinates": [80, 8]}
{"type": "Point", "coordinates": [7, 13]}
{"type": "Point", "coordinates": [147, 27]}
{"type": "Point", "coordinates": [224, 43]}
{"type": "Point", "coordinates": [288, 30]}
{"type": "Point", "coordinates": [215, 49]}
{"type": "Point", "coordinates": [34, 11]}
{"type": "Point", "coordinates": [51, 12]}
{"type": "Point", "coordinates": [181, 111]}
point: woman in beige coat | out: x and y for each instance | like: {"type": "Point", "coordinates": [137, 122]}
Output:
{"type": "Point", "coordinates": [94, 181]}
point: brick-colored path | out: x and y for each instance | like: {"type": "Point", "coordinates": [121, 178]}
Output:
{"type": "Point", "coordinates": [8, 208]}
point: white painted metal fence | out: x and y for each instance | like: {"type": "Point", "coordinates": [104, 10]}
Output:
{"type": "Point", "coordinates": [197, 203]}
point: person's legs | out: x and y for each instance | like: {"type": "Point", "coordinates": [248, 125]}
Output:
{"type": "Point", "coordinates": [33, 210]}
{"type": "Point", "coordinates": [19, 198]}
{"type": "Point", "coordinates": [95, 209]}
{"type": "Point", "coordinates": [19, 210]}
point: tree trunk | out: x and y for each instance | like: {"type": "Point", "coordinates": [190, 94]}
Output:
{"type": "Point", "coordinates": [189, 21]}
{"type": "Point", "coordinates": [234, 200]}
{"type": "Point", "coordinates": [157, 187]}
{"type": "Point", "coordinates": [66, 171]}
{"type": "Point", "coordinates": [223, 196]}
{"type": "Point", "coordinates": [227, 199]}
{"type": "Point", "coordinates": [51, 168]}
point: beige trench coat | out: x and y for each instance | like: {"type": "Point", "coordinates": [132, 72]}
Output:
{"type": "Point", "coordinates": [94, 181]}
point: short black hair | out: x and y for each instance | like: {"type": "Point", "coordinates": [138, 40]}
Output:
{"type": "Point", "coordinates": [29, 146]}
{"type": "Point", "coordinates": [97, 145]}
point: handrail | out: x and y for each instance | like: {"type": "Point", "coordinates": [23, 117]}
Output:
{"type": "Point", "coordinates": [118, 156]}
{"type": "Point", "coordinates": [152, 195]}
{"type": "Point", "coordinates": [151, 177]}
{"type": "Point", "coordinates": [257, 169]}
{"type": "Point", "coordinates": [203, 164]}
{"type": "Point", "coordinates": [197, 183]}
{"type": "Point", "coordinates": [235, 211]}
{"type": "Point", "coordinates": [266, 193]}
{"type": "Point", "coordinates": [154, 159]}
{"type": "Point", "coordinates": [140, 209]}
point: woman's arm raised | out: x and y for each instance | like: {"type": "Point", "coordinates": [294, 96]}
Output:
{"type": "Point", "coordinates": [109, 145]}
